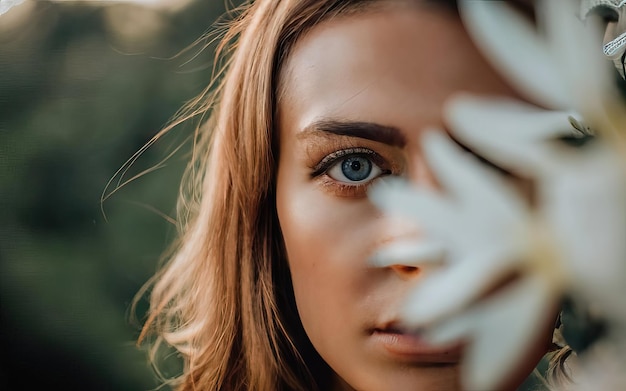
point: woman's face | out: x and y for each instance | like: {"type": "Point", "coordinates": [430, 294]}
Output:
{"type": "Point", "coordinates": [356, 92]}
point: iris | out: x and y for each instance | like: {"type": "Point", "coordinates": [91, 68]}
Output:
{"type": "Point", "coordinates": [356, 168]}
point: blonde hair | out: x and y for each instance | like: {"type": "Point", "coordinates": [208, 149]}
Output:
{"type": "Point", "coordinates": [224, 299]}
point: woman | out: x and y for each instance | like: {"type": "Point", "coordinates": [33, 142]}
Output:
{"type": "Point", "coordinates": [269, 287]}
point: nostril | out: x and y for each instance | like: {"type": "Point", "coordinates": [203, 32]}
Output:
{"type": "Point", "coordinates": [406, 270]}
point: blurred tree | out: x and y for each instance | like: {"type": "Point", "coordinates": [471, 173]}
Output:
{"type": "Point", "coordinates": [83, 87]}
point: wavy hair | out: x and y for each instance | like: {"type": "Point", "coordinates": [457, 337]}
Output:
{"type": "Point", "coordinates": [224, 297]}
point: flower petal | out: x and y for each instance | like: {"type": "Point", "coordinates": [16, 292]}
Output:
{"type": "Point", "coordinates": [508, 326]}
{"type": "Point", "coordinates": [499, 332]}
{"type": "Point", "coordinates": [582, 65]}
{"type": "Point", "coordinates": [456, 329]}
{"type": "Point", "coordinates": [470, 182]}
{"type": "Point", "coordinates": [512, 136]}
{"type": "Point", "coordinates": [446, 292]}
{"type": "Point", "coordinates": [417, 253]}
{"type": "Point", "coordinates": [513, 46]}
{"type": "Point", "coordinates": [431, 211]}
{"type": "Point", "coordinates": [505, 118]}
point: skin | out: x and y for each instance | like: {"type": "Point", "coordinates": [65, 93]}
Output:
{"type": "Point", "coordinates": [394, 66]}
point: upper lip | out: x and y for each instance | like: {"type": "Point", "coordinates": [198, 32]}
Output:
{"type": "Point", "coordinates": [394, 327]}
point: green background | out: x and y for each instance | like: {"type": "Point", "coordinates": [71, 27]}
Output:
{"type": "Point", "coordinates": [82, 88]}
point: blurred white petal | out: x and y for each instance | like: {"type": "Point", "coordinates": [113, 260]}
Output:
{"type": "Point", "coordinates": [418, 253]}
{"type": "Point", "coordinates": [507, 327]}
{"type": "Point", "coordinates": [447, 291]}
{"type": "Point", "coordinates": [519, 54]}
{"type": "Point", "coordinates": [509, 134]}
{"type": "Point", "coordinates": [6, 5]}
{"type": "Point", "coordinates": [586, 207]}
{"type": "Point", "coordinates": [462, 176]}
{"type": "Point", "coordinates": [581, 64]}
{"type": "Point", "coordinates": [483, 216]}
{"type": "Point", "coordinates": [457, 329]}
{"type": "Point", "coordinates": [485, 227]}
{"type": "Point", "coordinates": [489, 117]}
{"type": "Point", "coordinates": [499, 332]}
{"type": "Point", "coordinates": [397, 197]}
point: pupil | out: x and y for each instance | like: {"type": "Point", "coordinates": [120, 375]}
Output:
{"type": "Point", "coordinates": [356, 168]}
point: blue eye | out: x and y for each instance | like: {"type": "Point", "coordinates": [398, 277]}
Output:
{"type": "Point", "coordinates": [354, 169]}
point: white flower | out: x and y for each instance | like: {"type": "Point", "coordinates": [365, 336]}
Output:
{"type": "Point", "coordinates": [571, 243]}
{"type": "Point", "coordinates": [6, 5]}
{"type": "Point", "coordinates": [582, 192]}
{"type": "Point", "coordinates": [484, 227]}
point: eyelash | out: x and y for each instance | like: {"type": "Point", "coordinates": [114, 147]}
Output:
{"type": "Point", "coordinates": [330, 161]}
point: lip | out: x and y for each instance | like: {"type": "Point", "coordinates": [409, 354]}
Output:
{"type": "Point", "coordinates": [406, 346]}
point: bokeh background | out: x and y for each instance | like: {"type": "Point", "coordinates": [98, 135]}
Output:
{"type": "Point", "coordinates": [83, 86]}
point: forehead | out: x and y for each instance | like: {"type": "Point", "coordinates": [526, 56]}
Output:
{"type": "Point", "coordinates": [379, 60]}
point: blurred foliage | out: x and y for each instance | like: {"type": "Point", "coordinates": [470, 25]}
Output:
{"type": "Point", "coordinates": [83, 87]}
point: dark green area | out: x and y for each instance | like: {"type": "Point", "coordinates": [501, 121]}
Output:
{"type": "Point", "coordinates": [77, 99]}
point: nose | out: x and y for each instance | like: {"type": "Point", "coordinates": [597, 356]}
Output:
{"type": "Point", "coordinates": [407, 231]}
{"type": "Point", "coordinates": [401, 248]}
{"type": "Point", "coordinates": [420, 173]}
{"type": "Point", "coordinates": [406, 272]}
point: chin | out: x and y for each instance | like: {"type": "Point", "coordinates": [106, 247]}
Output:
{"type": "Point", "coordinates": [403, 377]}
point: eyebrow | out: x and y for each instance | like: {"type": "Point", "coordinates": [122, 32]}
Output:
{"type": "Point", "coordinates": [367, 130]}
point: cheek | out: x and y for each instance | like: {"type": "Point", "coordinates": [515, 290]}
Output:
{"type": "Point", "coordinates": [328, 240]}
